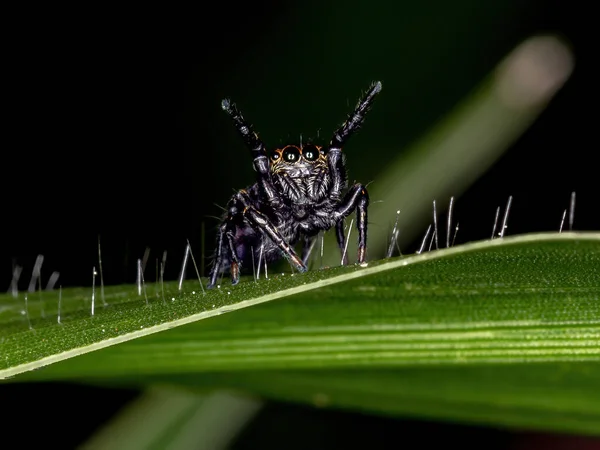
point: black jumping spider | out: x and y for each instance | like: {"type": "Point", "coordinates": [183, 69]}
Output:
{"type": "Point", "coordinates": [298, 193]}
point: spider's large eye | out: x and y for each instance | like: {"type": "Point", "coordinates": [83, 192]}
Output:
{"type": "Point", "coordinates": [310, 152]}
{"type": "Point", "coordinates": [291, 154]}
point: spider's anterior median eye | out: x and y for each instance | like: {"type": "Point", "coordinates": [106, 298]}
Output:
{"type": "Point", "coordinates": [291, 154]}
{"type": "Point", "coordinates": [310, 152]}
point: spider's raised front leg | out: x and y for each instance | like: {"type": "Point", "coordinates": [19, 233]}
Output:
{"type": "Point", "coordinates": [259, 154]}
{"type": "Point", "coordinates": [356, 198]}
{"type": "Point", "coordinates": [335, 159]}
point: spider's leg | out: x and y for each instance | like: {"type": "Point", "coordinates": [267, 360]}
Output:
{"type": "Point", "coordinates": [354, 121]}
{"type": "Point", "coordinates": [341, 240]}
{"type": "Point", "coordinates": [226, 242]}
{"type": "Point", "coordinates": [260, 222]}
{"type": "Point", "coordinates": [257, 148]}
{"type": "Point", "coordinates": [356, 198]}
{"type": "Point", "coordinates": [235, 261]}
{"type": "Point", "coordinates": [221, 248]}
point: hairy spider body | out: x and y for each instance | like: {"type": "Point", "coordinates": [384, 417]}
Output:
{"type": "Point", "coordinates": [299, 192]}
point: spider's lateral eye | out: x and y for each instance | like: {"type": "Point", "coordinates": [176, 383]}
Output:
{"type": "Point", "coordinates": [310, 152]}
{"type": "Point", "coordinates": [275, 156]}
{"type": "Point", "coordinates": [291, 154]}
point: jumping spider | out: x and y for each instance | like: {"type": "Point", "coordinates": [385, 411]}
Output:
{"type": "Point", "coordinates": [298, 193]}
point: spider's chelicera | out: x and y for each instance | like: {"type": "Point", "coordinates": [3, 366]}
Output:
{"type": "Point", "coordinates": [299, 192]}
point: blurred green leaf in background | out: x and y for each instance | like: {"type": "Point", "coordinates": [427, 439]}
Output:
{"type": "Point", "coordinates": [122, 135]}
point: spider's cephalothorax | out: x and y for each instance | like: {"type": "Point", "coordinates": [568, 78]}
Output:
{"type": "Point", "coordinates": [300, 173]}
{"type": "Point", "coordinates": [298, 193]}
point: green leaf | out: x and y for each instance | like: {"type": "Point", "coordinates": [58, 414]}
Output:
{"type": "Point", "coordinates": [504, 331]}
{"type": "Point", "coordinates": [170, 418]}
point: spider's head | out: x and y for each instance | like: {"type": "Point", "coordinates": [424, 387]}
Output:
{"type": "Point", "coordinates": [298, 161]}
